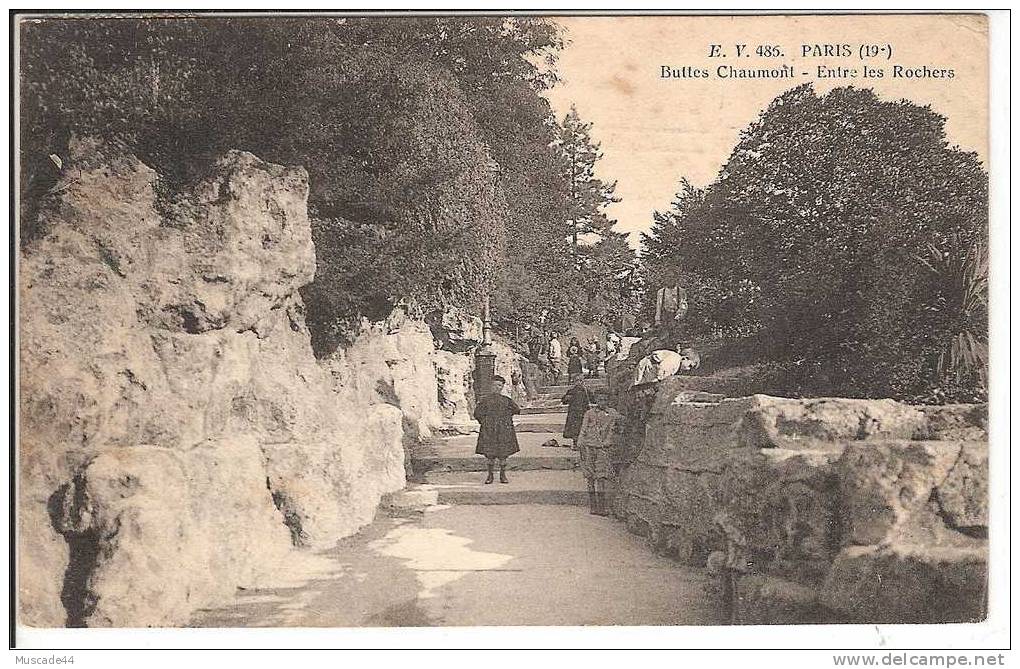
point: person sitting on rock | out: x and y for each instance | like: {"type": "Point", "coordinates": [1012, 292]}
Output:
{"type": "Point", "coordinates": [497, 439]}
{"type": "Point", "coordinates": [577, 400]}
{"type": "Point", "coordinates": [664, 363]}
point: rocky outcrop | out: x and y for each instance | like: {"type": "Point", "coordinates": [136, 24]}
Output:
{"type": "Point", "coordinates": [816, 510]}
{"type": "Point", "coordinates": [177, 437]}
{"type": "Point", "coordinates": [453, 380]}
{"type": "Point", "coordinates": [392, 362]}
{"type": "Point", "coordinates": [454, 329]}
{"type": "Point", "coordinates": [509, 365]}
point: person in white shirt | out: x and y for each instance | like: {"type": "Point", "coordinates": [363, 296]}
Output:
{"type": "Point", "coordinates": [664, 363]}
{"type": "Point", "coordinates": [555, 356]}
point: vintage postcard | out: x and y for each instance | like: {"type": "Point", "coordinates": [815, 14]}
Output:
{"type": "Point", "coordinates": [449, 320]}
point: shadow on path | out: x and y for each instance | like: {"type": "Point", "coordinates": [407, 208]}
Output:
{"type": "Point", "coordinates": [485, 565]}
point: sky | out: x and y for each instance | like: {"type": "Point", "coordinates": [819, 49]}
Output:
{"type": "Point", "coordinates": [655, 130]}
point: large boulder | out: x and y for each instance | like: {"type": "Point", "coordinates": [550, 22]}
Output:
{"type": "Point", "coordinates": [806, 508]}
{"type": "Point", "coordinates": [777, 422]}
{"type": "Point", "coordinates": [908, 584]}
{"type": "Point", "coordinates": [177, 437]}
{"type": "Point", "coordinates": [886, 486]}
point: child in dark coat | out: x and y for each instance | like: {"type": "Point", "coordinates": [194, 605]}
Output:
{"type": "Point", "coordinates": [497, 439]}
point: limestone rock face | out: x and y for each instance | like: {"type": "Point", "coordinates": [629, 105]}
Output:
{"type": "Point", "coordinates": [392, 362]}
{"type": "Point", "coordinates": [178, 438]}
{"type": "Point", "coordinates": [885, 485]}
{"type": "Point", "coordinates": [908, 583]}
{"type": "Point", "coordinates": [508, 365]}
{"type": "Point", "coordinates": [967, 422]}
{"type": "Point", "coordinates": [455, 329]}
{"type": "Point", "coordinates": [962, 497]}
{"type": "Point", "coordinates": [136, 532]}
{"type": "Point", "coordinates": [453, 379]}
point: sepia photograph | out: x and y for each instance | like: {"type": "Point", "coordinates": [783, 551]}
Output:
{"type": "Point", "coordinates": [516, 320]}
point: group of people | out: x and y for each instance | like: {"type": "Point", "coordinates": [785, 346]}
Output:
{"type": "Point", "coordinates": [497, 439]}
{"type": "Point", "coordinates": [545, 350]}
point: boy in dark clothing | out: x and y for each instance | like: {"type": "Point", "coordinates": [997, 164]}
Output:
{"type": "Point", "coordinates": [497, 439]}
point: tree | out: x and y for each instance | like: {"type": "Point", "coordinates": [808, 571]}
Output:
{"type": "Point", "coordinates": [434, 169]}
{"type": "Point", "coordinates": [813, 228]}
{"type": "Point", "coordinates": [661, 244]}
{"type": "Point", "coordinates": [603, 261]}
{"type": "Point", "coordinates": [502, 65]}
{"type": "Point", "coordinates": [402, 184]}
{"type": "Point", "coordinates": [589, 195]}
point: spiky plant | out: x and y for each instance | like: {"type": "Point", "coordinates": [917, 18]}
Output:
{"type": "Point", "coordinates": [960, 276]}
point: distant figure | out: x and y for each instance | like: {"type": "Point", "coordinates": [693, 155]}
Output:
{"type": "Point", "coordinates": [537, 346]}
{"type": "Point", "coordinates": [664, 363]}
{"type": "Point", "coordinates": [575, 366]}
{"type": "Point", "coordinates": [612, 345]}
{"type": "Point", "coordinates": [496, 437]}
{"type": "Point", "coordinates": [593, 358]}
{"type": "Point", "coordinates": [555, 356]}
{"type": "Point", "coordinates": [577, 400]}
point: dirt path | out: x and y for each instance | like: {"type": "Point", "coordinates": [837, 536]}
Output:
{"type": "Point", "coordinates": [519, 564]}
{"type": "Point", "coordinates": [525, 553]}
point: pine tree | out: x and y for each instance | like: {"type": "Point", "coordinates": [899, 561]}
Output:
{"type": "Point", "coordinates": [603, 260]}
{"type": "Point", "coordinates": [589, 196]}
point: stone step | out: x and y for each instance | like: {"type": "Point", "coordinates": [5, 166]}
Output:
{"type": "Point", "coordinates": [548, 402]}
{"type": "Point", "coordinates": [412, 498]}
{"type": "Point", "coordinates": [458, 454]}
{"type": "Point", "coordinates": [543, 428]}
{"type": "Point", "coordinates": [525, 487]}
{"type": "Point", "coordinates": [545, 416]}
{"type": "Point", "coordinates": [532, 410]}
{"type": "Point", "coordinates": [559, 390]}
{"type": "Point", "coordinates": [476, 463]}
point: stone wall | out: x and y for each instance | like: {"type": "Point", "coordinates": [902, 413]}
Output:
{"type": "Point", "coordinates": [815, 510]}
{"type": "Point", "coordinates": [177, 438]}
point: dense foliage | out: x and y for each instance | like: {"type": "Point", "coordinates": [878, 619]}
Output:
{"type": "Point", "coordinates": [847, 237]}
{"type": "Point", "coordinates": [433, 158]}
